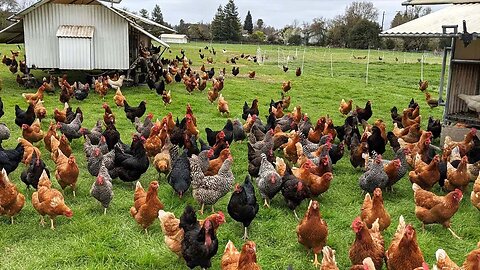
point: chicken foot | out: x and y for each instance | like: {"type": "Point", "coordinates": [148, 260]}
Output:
{"type": "Point", "coordinates": [42, 221]}
{"type": "Point", "coordinates": [316, 263]}
{"type": "Point", "coordinates": [201, 210]}
{"type": "Point", "coordinates": [296, 216]}
{"type": "Point", "coordinates": [105, 211]}
{"type": "Point", "coordinates": [266, 204]}
{"type": "Point", "coordinates": [11, 219]}
{"type": "Point", "coordinates": [245, 234]}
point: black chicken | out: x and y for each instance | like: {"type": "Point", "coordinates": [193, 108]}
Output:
{"type": "Point", "coordinates": [1, 108]}
{"type": "Point", "coordinates": [243, 206]}
{"type": "Point", "coordinates": [376, 142]}
{"type": "Point", "coordinates": [179, 178]}
{"type": "Point", "coordinates": [238, 132]}
{"type": "Point", "coordinates": [112, 136]}
{"type": "Point", "coordinates": [129, 167]}
{"type": "Point", "coordinates": [364, 113]}
{"type": "Point", "coordinates": [32, 173]}
{"type": "Point", "coordinates": [235, 70]}
{"type": "Point", "coordinates": [294, 191]}
{"type": "Point", "coordinates": [253, 110]}
{"type": "Point", "coordinates": [199, 244]}
{"type": "Point", "coordinates": [133, 112]}
{"type": "Point", "coordinates": [393, 140]}
{"type": "Point", "coordinates": [285, 68]}
{"type": "Point", "coordinates": [211, 73]}
{"type": "Point", "coordinates": [24, 117]}
{"type": "Point", "coordinates": [227, 132]}
{"type": "Point", "coordinates": [9, 159]}
{"type": "Point", "coordinates": [396, 118]}
{"type": "Point", "coordinates": [336, 152]}
{"type": "Point", "coordinates": [435, 127]}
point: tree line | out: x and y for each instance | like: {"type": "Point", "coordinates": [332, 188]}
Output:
{"type": "Point", "coordinates": [356, 28]}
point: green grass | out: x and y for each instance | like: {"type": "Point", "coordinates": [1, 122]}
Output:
{"type": "Point", "coordinates": [94, 241]}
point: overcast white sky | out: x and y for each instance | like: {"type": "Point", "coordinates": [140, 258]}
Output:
{"type": "Point", "coordinates": [277, 13]}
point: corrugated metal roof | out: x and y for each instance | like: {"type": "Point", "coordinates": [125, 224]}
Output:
{"type": "Point", "coordinates": [437, 2]}
{"type": "Point", "coordinates": [431, 24]}
{"type": "Point", "coordinates": [173, 36]}
{"type": "Point", "coordinates": [135, 18]}
{"type": "Point", "coordinates": [76, 31]}
{"type": "Point", "coordinates": [12, 34]}
{"type": "Point", "coordinates": [145, 32]}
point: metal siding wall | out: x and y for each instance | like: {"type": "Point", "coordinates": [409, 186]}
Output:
{"type": "Point", "coordinates": [75, 53]}
{"type": "Point", "coordinates": [110, 41]}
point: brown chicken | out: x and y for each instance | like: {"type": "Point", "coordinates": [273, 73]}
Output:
{"type": "Point", "coordinates": [223, 106]}
{"type": "Point", "coordinates": [212, 95]}
{"type": "Point", "coordinates": [286, 86]}
{"type": "Point", "coordinates": [248, 257]}
{"type": "Point", "coordinates": [392, 171]}
{"type": "Point", "coordinates": [457, 177]}
{"type": "Point", "coordinates": [119, 98]}
{"type": "Point", "coordinates": [368, 243]}
{"type": "Point", "coordinates": [404, 252]}
{"type": "Point", "coordinates": [472, 262]}
{"type": "Point", "coordinates": [162, 161]}
{"type": "Point", "coordinates": [373, 209]}
{"type": "Point", "coordinates": [430, 208]}
{"type": "Point", "coordinates": [312, 231]}
{"type": "Point", "coordinates": [413, 134]}
{"type": "Point", "coordinates": [285, 101]}
{"type": "Point", "coordinates": [426, 176]}
{"type": "Point", "coordinates": [65, 146]}
{"type": "Point", "coordinates": [52, 131]}
{"type": "Point", "coordinates": [146, 205]}
{"type": "Point", "coordinates": [475, 195]}
{"type": "Point", "coordinates": [330, 129]}
{"type": "Point", "coordinates": [290, 150]}
{"type": "Point", "coordinates": [464, 146]}
{"type": "Point", "coordinates": [345, 107]}
{"type": "Point", "coordinates": [153, 144]}
{"type": "Point", "coordinates": [28, 150]}
{"type": "Point", "coordinates": [215, 164]}
{"type": "Point", "coordinates": [444, 262]}
{"type": "Point", "coordinates": [108, 116]}
{"type": "Point", "coordinates": [11, 201]}
{"type": "Point", "coordinates": [328, 261]}
{"type": "Point", "coordinates": [66, 171]}
{"type": "Point", "coordinates": [61, 116]}
{"type": "Point", "coordinates": [35, 97]}
{"type": "Point", "coordinates": [49, 201]}
{"type": "Point", "coordinates": [173, 234]}
{"type": "Point", "coordinates": [167, 98]}
{"type": "Point", "coordinates": [316, 133]}
{"type": "Point", "coordinates": [32, 133]}
{"type": "Point", "coordinates": [422, 85]}
{"type": "Point", "coordinates": [316, 184]}
{"type": "Point", "coordinates": [278, 111]}
{"type": "Point", "coordinates": [406, 121]}
{"type": "Point", "coordinates": [40, 110]}
{"type": "Point", "coordinates": [230, 257]}
{"type": "Point", "coordinates": [251, 74]}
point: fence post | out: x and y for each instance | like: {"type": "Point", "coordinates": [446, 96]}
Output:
{"type": "Point", "coordinates": [368, 62]}
{"type": "Point", "coordinates": [331, 64]}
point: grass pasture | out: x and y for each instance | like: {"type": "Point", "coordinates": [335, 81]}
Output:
{"type": "Point", "coordinates": [91, 240]}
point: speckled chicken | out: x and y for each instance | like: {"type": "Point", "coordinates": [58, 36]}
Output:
{"type": "Point", "coordinates": [207, 190]}
{"type": "Point", "coordinates": [72, 130]}
{"type": "Point", "coordinates": [95, 160]}
{"type": "Point", "coordinates": [102, 189]}
{"type": "Point", "coordinates": [144, 127]}
{"type": "Point", "coordinates": [374, 177]}
{"type": "Point", "coordinates": [4, 132]}
{"type": "Point", "coordinates": [269, 181]}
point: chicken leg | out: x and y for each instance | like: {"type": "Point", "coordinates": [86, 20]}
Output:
{"type": "Point", "coordinates": [213, 209]}
{"type": "Point", "coordinates": [201, 210]}
{"type": "Point", "coordinates": [315, 261]}
{"type": "Point", "coordinates": [11, 219]}
{"type": "Point", "coordinates": [454, 234]}
{"type": "Point", "coordinates": [105, 211]}
{"type": "Point", "coordinates": [42, 221]}
{"type": "Point", "coordinates": [245, 235]}
{"type": "Point", "coordinates": [295, 212]}
{"type": "Point", "coordinates": [51, 224]}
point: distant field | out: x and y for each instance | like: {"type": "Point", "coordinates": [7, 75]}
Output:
{"type": "Point", "coordinates": [91, 240]}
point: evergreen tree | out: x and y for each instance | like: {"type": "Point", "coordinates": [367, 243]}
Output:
{"type": "Point", "coordinates": [232, 22]}
{"type": "Point", "coordinates": [157, 15]}
{"type": "Point", "coordinates": [182, 27]}
{"type": "Point", "coordinates": [217, 26]}
{"type": "Point", "coordinates": [248, 24]}
{"type": "Point", "coordinates": [144, 13]}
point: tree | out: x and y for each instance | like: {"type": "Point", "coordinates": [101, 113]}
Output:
{"type": "Point", "coordinates": [199, 31]}
{"type": "Point", "coordinates": [411, 43]}
{"type": "Point", "coordinates": [260, 24]}
{"type": "Point", "coordinates": [182, 28]}
{"type": "Point", "coordinates": [295, 39]}
{"type": "Point", "coordinates": [248, 24]}
{"type": "Point", "coordinates": [358, 11]}
{"type": "Point", "coordinates": [318, 31]}
{"type": "Point", "coordinates": [7, 8]}
{"type": "Point", "coordinates": [217, 26]}
{"type": "Point", "coordinates": [364, 34]}
{"type": "Point", "coordinates": [157, 15]}
{"type": "Point", "coordinates": [257, 36]}
{"type": "Point", "coordinates": [144, 13]}
{"type": "Point", "coordinates": [232, 22]}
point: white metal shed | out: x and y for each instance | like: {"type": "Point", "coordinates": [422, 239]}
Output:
{"type": "Point", "coordinates": [174, 38]}
{"type": "Point", "coordinates": [79, 35]}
